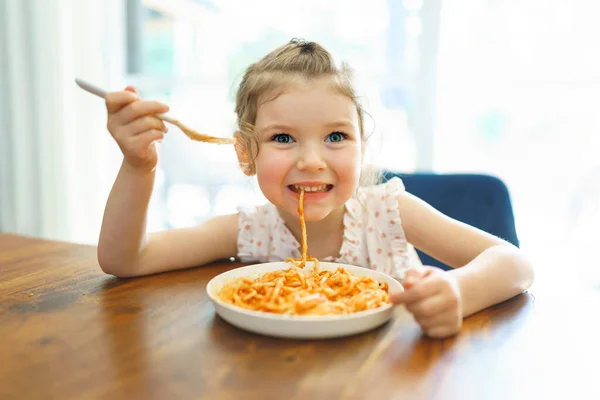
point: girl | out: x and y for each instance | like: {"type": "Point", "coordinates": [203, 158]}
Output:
{"type": "Point", "coordinates": [301, 128]}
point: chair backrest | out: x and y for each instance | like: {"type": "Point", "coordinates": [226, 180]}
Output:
{"type": "Point", "coordinates": [482, 201]}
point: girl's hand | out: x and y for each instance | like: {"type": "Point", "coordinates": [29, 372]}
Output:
{"type": "Point", "coordinates": [433, 297]}
{"type": "Point", "coordinates": [132, 124]}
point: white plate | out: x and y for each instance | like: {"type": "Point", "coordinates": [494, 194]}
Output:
{"type": "Point", "coordinates": [298, 326]}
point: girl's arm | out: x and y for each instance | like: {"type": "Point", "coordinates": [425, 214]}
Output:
{"type": "Point", "coordinates": [123, 232]}
{"type": "Point", "coordinates": [497, 274]}
{"type": "Point", "coordinates": [488, 269]}
{"type": "Point", "coordinates": [174, 249]}
{"type": "Point", "coordinates": [124, 248]}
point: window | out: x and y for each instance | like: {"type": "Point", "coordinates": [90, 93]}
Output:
{"type": "Point", "coordinates": [518, 92]}
{"type": "Point", "coordinates": [192, 54]}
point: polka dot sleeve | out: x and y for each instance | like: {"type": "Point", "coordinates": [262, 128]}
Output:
{"type": "Point", "coordinates": [374, 236]}
{"type": "Point", "coordinates": [253, 235]}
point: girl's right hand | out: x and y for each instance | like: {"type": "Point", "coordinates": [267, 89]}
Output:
{"type": "Point", "coordinates": [133, 125]}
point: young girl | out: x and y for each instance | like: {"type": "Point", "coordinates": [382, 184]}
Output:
{"type": "Point", "coordinates": [301, 128]}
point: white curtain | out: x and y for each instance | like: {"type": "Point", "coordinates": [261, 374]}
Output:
{"type": "Point", "coordinates": [57, 161]}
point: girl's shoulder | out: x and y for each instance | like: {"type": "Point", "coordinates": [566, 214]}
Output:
{"type": "Point", "coordinates": [263, 236]}
{"type": "Point", "coordinates": [381, 194]}
{"type": "Point", "coordinates": [377, 205]}
{"type": "Point", "coordinates": [374, 236]}
{"type": "Point", "coordinates": [264, 211]}
{"type": "Point", "coordinates": [256, 221]}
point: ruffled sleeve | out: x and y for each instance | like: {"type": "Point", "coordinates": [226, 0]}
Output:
{"type": "Point", "coordinates": [263, 236]}
{"type": "Point", "coordinates": [373, 234]}
{"type": "Point", "coordinates": [252, 234]}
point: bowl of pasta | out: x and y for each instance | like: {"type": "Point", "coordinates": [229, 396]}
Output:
{"type": "Point", "coordinates": [308, 300]}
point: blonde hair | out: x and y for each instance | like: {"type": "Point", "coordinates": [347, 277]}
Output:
{"type": "Point", "coordinates": [269, 77]}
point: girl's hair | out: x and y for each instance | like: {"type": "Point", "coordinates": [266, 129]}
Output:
{"type": "Point", "coordinates": [270, 76]}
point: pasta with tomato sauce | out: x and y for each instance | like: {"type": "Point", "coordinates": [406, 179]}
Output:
{"type": "Point", "coordinates": [297, 292]}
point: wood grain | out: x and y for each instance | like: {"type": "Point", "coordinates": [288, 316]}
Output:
{"type": "Point", "coordinates": [68, 331]}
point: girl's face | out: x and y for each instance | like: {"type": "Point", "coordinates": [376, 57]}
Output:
{"type": "Point", "coordinates": [309, 137]}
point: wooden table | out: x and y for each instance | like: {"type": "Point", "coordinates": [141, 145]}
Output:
{"type": "Point", "coordinates": [69, 331]}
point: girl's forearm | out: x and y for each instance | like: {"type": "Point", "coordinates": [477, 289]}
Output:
{"type": "Point", "coordinates": [497, 274]}
{"type": "Point", "coordinates": [123, 233]}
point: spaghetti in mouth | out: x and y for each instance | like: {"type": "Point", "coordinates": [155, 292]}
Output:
{"type": "Point", "coordinates": [311, 189]}
{"type": "Point", "coordinates": [301, 262]}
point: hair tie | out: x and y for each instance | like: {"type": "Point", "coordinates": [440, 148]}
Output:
{"type": "Point", "coordinates": [307, 47]}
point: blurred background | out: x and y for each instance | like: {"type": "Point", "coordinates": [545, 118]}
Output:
{"type": "Point", "coordinates": [510, 88]}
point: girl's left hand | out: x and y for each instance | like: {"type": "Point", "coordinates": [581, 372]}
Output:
{"type": "Point", "coordinates": [433, 297]}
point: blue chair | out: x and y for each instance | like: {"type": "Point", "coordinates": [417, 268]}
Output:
{"type": "Point", "coordinates": [482, 201]}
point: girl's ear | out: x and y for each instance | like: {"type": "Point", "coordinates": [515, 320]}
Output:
{"type": "Point", "coordinates": [241, 150]}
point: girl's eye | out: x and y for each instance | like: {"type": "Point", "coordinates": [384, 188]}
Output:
{"type": "Point", "coordinates": [336, 137]}
{"type": "Point", "coordinates": [282, 138]}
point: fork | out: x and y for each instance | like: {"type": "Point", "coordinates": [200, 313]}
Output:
{"type": "Point", "coordinates": [192, 134]}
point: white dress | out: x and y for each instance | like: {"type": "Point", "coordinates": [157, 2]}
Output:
{"type": "Point", "coordinates": [373, 234]}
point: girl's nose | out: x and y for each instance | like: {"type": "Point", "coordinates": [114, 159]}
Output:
{"type": "Point", "coordinates": [311, 159]}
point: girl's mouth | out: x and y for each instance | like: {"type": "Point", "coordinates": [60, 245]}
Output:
{"type": "Point", "coordinates": [311, 189]}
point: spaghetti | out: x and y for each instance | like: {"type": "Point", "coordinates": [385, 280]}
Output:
{"type": "Point", "coordinates": [293, 292]}
{"type": "Point", "coordinates": [301, 262]}
{"type": "Point", "coordinates": [297, 292]}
